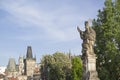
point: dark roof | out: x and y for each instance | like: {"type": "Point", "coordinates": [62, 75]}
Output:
{"type": "Point", "coordinates": [29, 53]}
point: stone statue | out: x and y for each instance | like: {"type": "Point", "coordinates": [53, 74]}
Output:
{"type": "Point", "coordinates": [88, 36]}
{"type": "Point", "coordinates": [88, 56]}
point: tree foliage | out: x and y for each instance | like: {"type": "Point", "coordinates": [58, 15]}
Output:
{"type": "Point", "coordinates": [56, 67]}
{"type": "Point", "coordinates": [76, 72]}
{"type": "Point", "coordinates": [107, 46]}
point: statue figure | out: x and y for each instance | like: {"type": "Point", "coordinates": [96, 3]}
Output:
{"type": "Point", "coordinates": [88, 36]}
{"type": "Point", "coordinates": [88, 56]}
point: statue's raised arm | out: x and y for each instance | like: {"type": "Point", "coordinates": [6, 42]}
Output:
{"type": "Point", "coordinates": [81, 32]}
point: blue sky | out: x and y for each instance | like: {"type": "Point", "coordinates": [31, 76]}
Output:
{"type": "Point", "coordinates": [46, 25]}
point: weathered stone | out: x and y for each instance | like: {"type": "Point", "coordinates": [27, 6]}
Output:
{"type": "Point", "coordinates": [29, 62]}
{"type": "Point", "coordinates": [88, 56]}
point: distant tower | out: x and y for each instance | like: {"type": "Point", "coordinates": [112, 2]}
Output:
{"type": "Point", "coordinates": [69, 54]}
{"type": "Point", "coordinates": [29, 53]}
{"type": "Point", "coordinates": [21, 65]}
{"type": "Point", "coordinates": [11, 69]}
{"type": "Point", "coordinates": [29, 62]}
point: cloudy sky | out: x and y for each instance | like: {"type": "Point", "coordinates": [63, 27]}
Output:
{"type": "Point", "coordinates": [46, 25]}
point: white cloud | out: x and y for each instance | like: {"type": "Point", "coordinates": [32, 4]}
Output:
{"type": "Point", "coordinates": [56, 24]}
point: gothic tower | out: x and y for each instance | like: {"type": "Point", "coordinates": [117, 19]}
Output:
{"type": "Point", "coordinates": [11, 69]}
{"type": "Point", "coordinates": [29, 52]}
{"type": "Point", "coordinates": [21, 65]}
{"type": "Point", "coordinates": [29, 62]}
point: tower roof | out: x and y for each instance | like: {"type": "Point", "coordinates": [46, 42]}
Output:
{"type": "Point", "coordinates": [11, 65]}
{"type": "Point", "coordinates": [29, 53]}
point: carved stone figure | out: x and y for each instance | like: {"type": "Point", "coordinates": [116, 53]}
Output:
{"type": "Point", "coordinates": [88, 37]}
{"type": "Point", "coordinates": [88, 56]}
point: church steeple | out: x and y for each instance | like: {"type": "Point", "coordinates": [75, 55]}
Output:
{"type": "Point", "coordinates": [11, 65]}
{"type": "Point", "coordinates": [29, 53]}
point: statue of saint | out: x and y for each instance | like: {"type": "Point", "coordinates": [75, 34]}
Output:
{"type": "Point", "coordinates": [88, 36]}
{"type": "Point", "coordinates": [88, 56]}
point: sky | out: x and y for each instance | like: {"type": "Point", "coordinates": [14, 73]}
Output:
{"type": "Point", "coordinates": [46, 25]}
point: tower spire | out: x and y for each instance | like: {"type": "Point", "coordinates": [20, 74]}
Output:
{"type": "Point", "coordinates": [11, 65]}
{"type": "Point", "coordinates": [29, 52]}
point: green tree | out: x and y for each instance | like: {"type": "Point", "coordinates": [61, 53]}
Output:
{"type": "Point", "coordinates": [107, 46]}
{"type": "Point", "coordinates": [117, 20]}
{"type": "Point", "coordinates": [56, 66]}
{"type": "Point", "coordinates": [46, 63]}
{"type": "Point", "coordinates": [76, 72]}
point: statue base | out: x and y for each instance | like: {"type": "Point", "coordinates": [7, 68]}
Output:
{"type": "Point", "coordinates": [93, 75]}
{"type": "Point", "coordinates": [89, 72]}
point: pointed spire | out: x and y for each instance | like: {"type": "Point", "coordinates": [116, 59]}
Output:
{"type": "Point", "coordinates": [29, 53]}
{"type": "Point", "coordinates": [11, 65]}
{"type": "Point", "coordinates": [69, 54]}
{"type": "Point", "coordinates": [35, 56]}
{"type": "Point", "coordinates": [20, 57]}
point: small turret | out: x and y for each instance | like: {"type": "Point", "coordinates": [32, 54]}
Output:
{"type": "Point", "coordinates": [21, 65]}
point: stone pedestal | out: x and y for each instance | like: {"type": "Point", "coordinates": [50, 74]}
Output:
{"type": "Point", "coordinates": [89, 68]}
{"type": "Point", "coordinates": [91, 63]}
